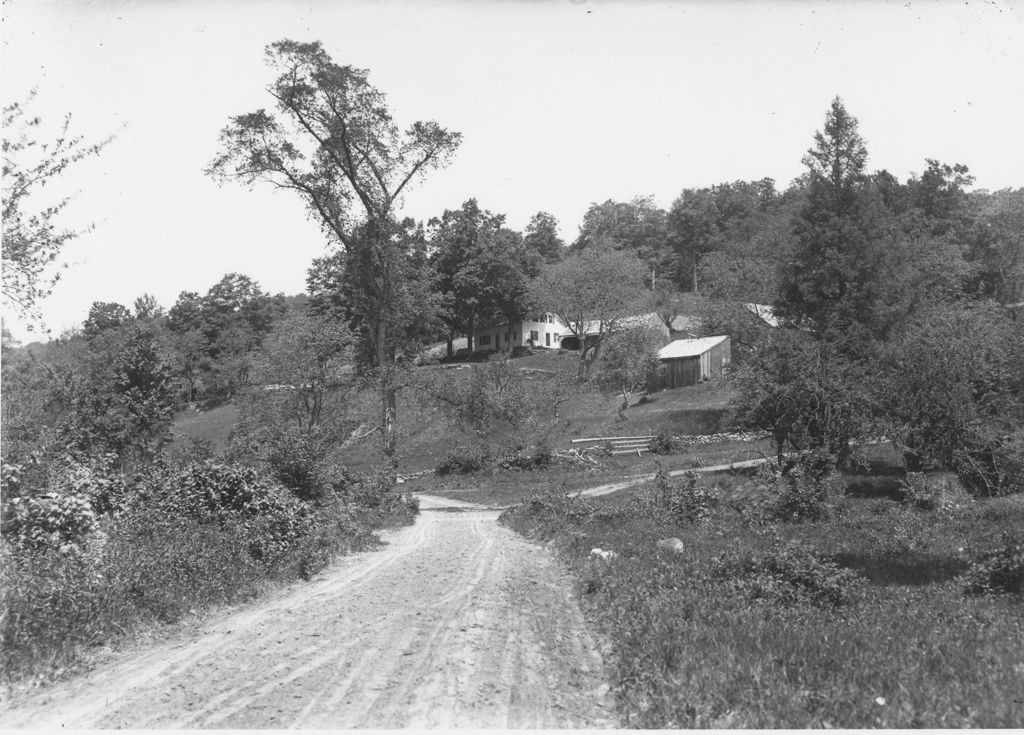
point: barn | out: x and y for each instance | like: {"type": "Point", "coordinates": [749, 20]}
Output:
{"type": "Point", "coordinates": [689, 361]}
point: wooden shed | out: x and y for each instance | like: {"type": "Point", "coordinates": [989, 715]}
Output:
{"type": "Point", "coordinates": [689, 361]}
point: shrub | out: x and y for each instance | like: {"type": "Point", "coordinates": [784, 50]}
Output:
{"type": "Point", "coordinates": [205, 534]}
{"type": "Point", "coordinates": [295, 459]}
{"type": "Point", "coordinates": [462, 462]}
{"type": "Point", "coordinates": [270, 518]}
{"type": "Point", "coordinates": [532, 458]}
{"type": "Point", "coordinates": [992, 465]}
{"type": "Point", "coordinates": [12, 479]}
{"type": "Point", "coordinates": [933, 491]}
{"type": "Point", "coordinates": [99, 479]}
{"type": "Point", "coordinates": [555, 504]}
{"type": "Point", "coordinates": [789, 574]}
{"type": "Point", "coordinates": [375, 493]}
{"type": "Point", "coordinates": [803, 491]}
{"type": "Point", "coordinates": [58, 521]}
{"type": "Point", "coordinates": [53, 604]}
{"type": "Point", "coordinates": [65, 510]}
{"type": "Point", "coordinates": [167, 564]}
{"type": "Point", "coordinates": [340, 481]}
{"type": "Point", "coordinates": [682, 501]}
{"type": "Point", "coordinates": [665, 443]}
{"type": "Point", "coordinates": [998, 571]}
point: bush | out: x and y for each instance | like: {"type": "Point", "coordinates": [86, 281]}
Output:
{"type": "Point", "coordinates": [992, 466]}
{"type": "Point", "coordinates": [933, 491]}
{"type": "Point", "coordinates": [337, 528]}
{"type": "Point", "coordinates": [462, 462]}
{"type": "Point", "coordinates": [55, 522]}
{"type": "Point", "coordinates": [375, 493]}
{"type": "Point", "coordinates": [998, 571]}
{"type": "Point", "coordinates": [532, 458]}
{"type": "Point", "coordinates": [296, 460]}
{"type": "Point", "coordinates": [167, 564]}
{"type": "Point", "coordinates": [789, 574]}
{"type": "Point", "coordinates": [54, 604]}
{"type": "Point", "coordinates": [682, 501]}
{"type": "Point", "coordinates": [665, 443]}
{"type": "Point", "coordinates": [65, 511]}
{"type": "Point", "coordinates": [552, 506]}
{"type": "Point", "coordinates": [804, 490]}
{"type": "Point", "coordinates": [183, 539]}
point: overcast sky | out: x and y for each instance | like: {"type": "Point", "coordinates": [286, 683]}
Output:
{"type": "Point", "coordinates": [560, 104]}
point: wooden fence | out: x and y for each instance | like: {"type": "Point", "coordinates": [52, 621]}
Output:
{"type": "Point", "coordinates": [621, 444]}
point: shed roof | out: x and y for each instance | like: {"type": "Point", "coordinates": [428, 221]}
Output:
{"type": "Point", "coordinates": [689, 347]}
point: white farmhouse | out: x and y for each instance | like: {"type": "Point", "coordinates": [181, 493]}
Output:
{"type": "Point", "coordinates": [540, 330]}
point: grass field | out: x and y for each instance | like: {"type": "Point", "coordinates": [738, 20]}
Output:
{"type": "Point", "coordinates": [858, 620]}
{"type": "Point", "coordinates": [213, 425]}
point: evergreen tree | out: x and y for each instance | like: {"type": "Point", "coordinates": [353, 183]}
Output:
{"type": "Point", "coordinates": [833, 282]}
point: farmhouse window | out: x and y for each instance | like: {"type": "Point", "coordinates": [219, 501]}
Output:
{"type": "Point", "coordinates": [534, 336]}
{"type": "Point", "coordinates": [547, 340]}
{"type": "Point", "coordinates": [485, 339]}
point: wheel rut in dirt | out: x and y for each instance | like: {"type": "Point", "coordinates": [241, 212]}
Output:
{"type": "Point", "coordinates": [457, 622]}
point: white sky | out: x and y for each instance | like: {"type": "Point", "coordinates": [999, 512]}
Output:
{"type": "Point", "coordinates": [560, 103]}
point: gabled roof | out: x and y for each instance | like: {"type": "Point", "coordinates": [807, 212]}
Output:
{"type": "Point", "coordinates": [765, 312]}
{"type": "Point", "coordinates": [636, 321]}
{"type": "Point", "coordinates": [685, 323]}
{"type": "Point", "coordinates": [689, 347]}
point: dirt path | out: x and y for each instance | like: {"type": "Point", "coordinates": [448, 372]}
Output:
{"type": "Point", "coordinates": [457, 622]}
{"type": "Point", "coordinates": [612, 487]}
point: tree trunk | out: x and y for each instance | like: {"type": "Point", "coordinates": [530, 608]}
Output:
{"type": "Point", "coordinates": [389, 412]}
{"type": "Point", "coordinates": [379, 266]}
{"type": "Point", "coordinates": [451, 346]}
{"type": "Point", "coordinates": [581, 370]}
{"type": "Point", "coordinates": [508, 338]}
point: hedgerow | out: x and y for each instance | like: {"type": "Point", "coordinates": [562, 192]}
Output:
{"type": "Point", "coordinates": [176, 540]}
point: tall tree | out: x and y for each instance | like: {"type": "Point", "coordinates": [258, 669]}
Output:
{"type": "Point", "coordinates": [542, 236]}
{"type": "Point", "coordinates": [104, 315]}
{"type": "Point", "coordinates": [705, 221]}
{"type": "Point", "coordinates": [33, 237]}
{"type": "Point", "coordinates": [509, 267]}
{"type": "Point", "coordinates": [996, 245]}
{"type": "Point", "coordinates": [301, 371]}
{"type": "Point", "coordinates": [637, 226]}
{"type": "Point", "coordinates": [832, 282]}
{"type": "Point", "coordinates": [592, 292]}
{"type": "Point", "coordinates": [335, 145]}
{"type": "Point", "coordinates": [147, 307]}
{"type": "Point", "coordinates": [461, 241]}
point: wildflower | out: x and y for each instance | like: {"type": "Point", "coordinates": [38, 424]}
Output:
{"type": "Point", "coordinates": [880, 701]}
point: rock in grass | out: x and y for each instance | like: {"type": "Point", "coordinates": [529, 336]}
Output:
{"type": "Point", "coordinates": [671, 545]}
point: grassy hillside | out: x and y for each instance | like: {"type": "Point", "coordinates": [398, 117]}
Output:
{"type": "Point", "coordinates": [424, 435]}
{"type": "Point", "coordinates": [213, 426]}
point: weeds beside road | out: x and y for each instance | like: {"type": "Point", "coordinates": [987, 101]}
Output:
{"type": "Point", "coordinates": [863, 618]}
{"type": "Point", "coordinates": [186, 540]}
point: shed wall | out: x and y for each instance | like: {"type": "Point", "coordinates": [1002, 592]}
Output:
{"type": "Point", "coordinates": [683, 371]}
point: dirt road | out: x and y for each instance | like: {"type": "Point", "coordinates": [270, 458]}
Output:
{"type": "Point", "coordinates": [457, 622]}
